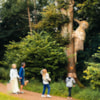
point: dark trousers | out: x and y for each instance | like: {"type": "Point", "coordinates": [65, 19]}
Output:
{"type": "Point", "coordinates": [69, 91]}
{"type": "Point", "coordinates": [44, 88]}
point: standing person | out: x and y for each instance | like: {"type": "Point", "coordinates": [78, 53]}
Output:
{"type": "Point", "coordinates": [46, 79]}
{"type": "Point", "coordinates": [22, 75]}
{"type": "Point", "coordinates": [14, 79]}
{"type": "Point", "coordinates": [69, 83]}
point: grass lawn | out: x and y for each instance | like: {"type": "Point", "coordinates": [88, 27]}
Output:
{"type": "Point", "coordinates": [8, 97]}
{"type": "Point", "coordinates": [60, 89]}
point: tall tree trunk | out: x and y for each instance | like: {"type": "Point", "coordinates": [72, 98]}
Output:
{"type": "Point", "coordinates": [67, 30]}
{"type": "Point", "coordinates": [29, 18]}
{"type": "Point", "coordinates": [35, 11]}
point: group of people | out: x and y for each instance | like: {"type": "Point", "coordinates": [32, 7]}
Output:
{"type": "Point", "coordinates": [46, 79]}
{"type": "Point", "coordinates": [14, 76]}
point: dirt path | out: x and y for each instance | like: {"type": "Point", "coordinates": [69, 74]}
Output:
{"type": "Point", "coordinates": [30, 95]}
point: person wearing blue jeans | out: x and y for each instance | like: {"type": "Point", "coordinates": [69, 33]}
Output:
{"type": "Point", "coordinates": [44, 88]}
{"type": "Point", "coordinates": [69, 90]}
{"type": "Point", "coordinates": [46, 80]}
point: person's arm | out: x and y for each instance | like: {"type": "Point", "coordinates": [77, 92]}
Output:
{"type": "Point", "coordinates": [48, 77]}
{"type": "Point", "coordinates": [74, 82]}
{"type": "Point", "coordinates": [20, 72]}
{"type": "Point", "coordinates": [11, 74]}
{"type": "Point", "coordinates": [17, 74]}
{"type": "Point", "coordinates": [41, 72]}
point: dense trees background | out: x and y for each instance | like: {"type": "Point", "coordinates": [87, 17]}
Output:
{"type": "Point", "coordinates": [15, 27]}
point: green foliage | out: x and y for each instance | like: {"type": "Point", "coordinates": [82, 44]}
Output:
{"type": "Point", "coordinates": [62, 4]}
{"type": "Point", "coordinates": [91, 15]}
{"type": "Point", "coordinates": [93, 74]}
{"type": "Point", "coordinates": [14, 23]}
{"type": "Point", "coordinates": [93, 70]}
{"type": "Point", "coordinates": [38, 51]}
{"type": "Point", "coordinates": [52, 21]}
{"type": "Point", "coordinates": [90, 47]}
{"type": "Point", "coordinates": [4, 73]}
{"type": "Point", "coordinates": [88, 94]}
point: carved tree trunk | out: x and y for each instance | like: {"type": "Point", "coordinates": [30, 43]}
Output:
{"type": "Point", "coordinates": [29, 18]}
{"type": "Point", "coordinates": [67, 30]}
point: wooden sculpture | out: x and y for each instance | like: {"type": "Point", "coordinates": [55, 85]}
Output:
{"type": "Point", "coordinates": [79, 36]}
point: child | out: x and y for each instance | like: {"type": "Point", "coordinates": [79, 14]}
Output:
{"type": "Point", "coordinates": [13, 79]}
{"type": "Point", "coordinates": [46, 80]}
{"type": "Point", "coordinates": [69, 84]}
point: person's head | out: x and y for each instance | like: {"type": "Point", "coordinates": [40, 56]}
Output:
{"type": "Point", "coordinates": [14, 66]}
{"type": "Point", "coordinates": [84, 24]}
{"type": "Point", "coordinates": [23, 64]}
{"type": "Point", "coordinates": [44, 71]}
{"type": "Point", "coordinates": [70, 75]}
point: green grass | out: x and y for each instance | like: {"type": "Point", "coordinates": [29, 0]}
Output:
{"type": "Point", "coordinates": [57, 88]}
{"type": "Point", "coordinates": [8, 97]}
{"type": "Point", "coordinates": [60, 89]}
{"type": "Point", "coordinates": [88, 94]}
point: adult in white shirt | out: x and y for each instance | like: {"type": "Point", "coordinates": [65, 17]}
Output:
{"type": "Point", "coordinates": [14, 79]}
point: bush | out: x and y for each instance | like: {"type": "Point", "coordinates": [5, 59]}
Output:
{"type": "Point", "coordinates": [38, 51]}
{"type": "Point", "coordinates": [92, 73]}
{"type": "Point", "coordinates": [4, 74]}
{"type": "Point", "coordinates": [88, 94]}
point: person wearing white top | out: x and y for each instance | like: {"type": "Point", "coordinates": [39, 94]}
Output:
{"type": "Point", "coordinates": [46, 79]}
{"type": "Point", "coordinates": [69, 83]}
{"type": "Point", "coordinates": [14, 79]}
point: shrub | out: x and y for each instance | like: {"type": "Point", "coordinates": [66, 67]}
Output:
{"type": "Point", "coordinates": [4, 74]}
{"type": "Point", "coordinates": [93, 70]}
{"type": "Point", "coordinates": [38, 51]}
{"type": "Point", "coordinates": [88, 94]}
{"type": "Point", "coordinates": [93, 74]}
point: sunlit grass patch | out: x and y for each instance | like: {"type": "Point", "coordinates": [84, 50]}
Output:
{"type": "Point", "coordinates": [8, 97]}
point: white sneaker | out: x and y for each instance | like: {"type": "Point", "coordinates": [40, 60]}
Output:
{"type": "Point", "coordinates": [49, 96]}
{"type": "Point", "coordinates": [43, 96]}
